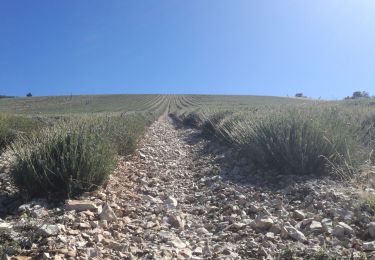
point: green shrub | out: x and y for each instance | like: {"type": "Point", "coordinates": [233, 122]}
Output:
{"type": "Point", "coordinates": [293, 139]}
{"type": "Point", "coordinates": [62, 161]}
{"type": "Point", "coordinates": [13, 126]}
{"type": "Point", "coordinates": [304, 142]}
{"type": "Point", "coordinates": [124, 132]}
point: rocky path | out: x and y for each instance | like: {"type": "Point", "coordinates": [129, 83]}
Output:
{"type": "Point", "coordinates": [184, 197]}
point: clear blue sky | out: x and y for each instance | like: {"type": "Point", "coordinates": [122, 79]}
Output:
{"type": "Point", "coordinates": [318, 47]}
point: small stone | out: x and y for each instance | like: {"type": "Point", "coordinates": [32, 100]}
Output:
{"type": "Point", "coordinates": [152, 199]}
{"type": "Point", "coordinates": [284, 233]}
{"type": "Point", "coordinates": [299, 215]}
{"type": "Point", "coordinates": [341, 230]}
{"type": "Point", "coordinates": [270, 236]}
{"type": "Point", "coordinates": [49, 230]}
{"type": "Point", "coordinates": [107, 213]}
{"type": "Point", "coordinates": [93, 253]}
{"type": "Point", "coordinates": [80, 205]}
{"type": "Point", "coordinates": [327, 225]}
{"type": "Point", "coordinates": [98, 238]}
{"type": "Point", "coordinates": [185, 253]}
{"type": "Point", "coordinates": [39, 213]}
{"type": "Point", "coordinates": [237, 226]}
{"type": "Point", "coordinates": [296, 234]}
{"type": "Point", "coordinates": [170, 202]}
{"type": "Point", "coordinates": [316, 226]}
{"type": "Point", "coordinates": [84, 225]}
{"type": "Point", "coordinates": [254, 208]}
{"type": "Point", "coordinates": [263, 222]}
{"type": "Point", "coordinates": [19, 257]}
{"type": "Point", "coordinates": [198, 251]}
{"type": "Point", "coordinates": [369, 246]}
{"type": "Point", "coordinates": [177, 243]}
{"type": "Point", "coordinates": [202, 231]}
{"type": "Point", "coordinates": [58, 257]}
{"type": "Point", "coordinates": [24, 207]}
{"type": "Point", "coordinates": [5, 228]}
{"type": "Point", "coordinates": [371, 229]}
{"type": "Point", "coordinates": [142, 156]}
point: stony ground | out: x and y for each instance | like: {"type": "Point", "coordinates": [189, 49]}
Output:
{"type": "Point", "coordinates": [184, 197]}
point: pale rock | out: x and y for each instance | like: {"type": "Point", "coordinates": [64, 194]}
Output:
{"type": "Point", "coordinates": [327, 225]}
{"type": "Point", "coordinates": [103, 224]}
{"type": "Point", "coordinates": [142, 156]}
{"type": "Point", "coordinates": [186, 253]}
{"type": "Point", "coordinates": [80, 205]}
{"type": "Point", "coordinates": [177, 243]}
{"type": "Point", "coordinates": [341, 230]}
{"type": "Point", "coordinates": [306, 222]}
{"type": "Point", "coordinates": [369, 246]}
{"type": "Point", "coordinates": [93, 253]}
{"type": "Point", "coordinates": [198, 251]}
{"type": "Point", "coordinates": [150, 224]}
{"type": "Point", "coordinates": [263, 222]}
{"type": "Point", "coordinates": [49, 230]}
{"type": "Point", "coordinates": [24, 207]}
{"type": "Point", "coordinates": [152, 199]}
{"type": "Point", "coordinates": [19, 257]}
{"type": "Point", "coordinates": [296, 234]}
{"type": "Point", "coordinates": [371, 229]}
{"type": "Point", "coordinates": [206, 250]}
{"type": "Point", "coordinates": [38, 213]}
{"type": "Point", "coordinates": [237, 226]}
{"type": "Point", "coordinates": [315, 226]}
{"type": "Point", "coordinates": [84, 225]}
{"type": "Point", "coordinates": [107, 213]}
{"type": "Point", "coordinates": [254, 208]}
{"type": "Point", "coordinates": [58, 257]}
{"type": "Point", "coordinates": [202, 231]}
{"type": "Point", "coordinates": [170, 202]}
{"type": "Point", "coordinates": [270, 235]}
{"type": "Point", "coordinates": [5, 228]}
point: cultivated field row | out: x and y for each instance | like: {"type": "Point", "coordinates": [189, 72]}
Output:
{"type": "Point", "coordinates": [58, 148]}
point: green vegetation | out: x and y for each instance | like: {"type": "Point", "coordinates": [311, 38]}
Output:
{"type": "Point", "coordinates": [13, 126]}
{"type": "Point", "coordinates": [62, 161]}
{"type": "Point", "coordinates": [67, 105]}
{"type": "Point", "coordinates": [66, 145]}
{"type": "Point", "coordinates": [290, 136]}
{"type": "Point", "coordinates": [63, 146]}
{"type": "Point", "coordinates": [367, 200]}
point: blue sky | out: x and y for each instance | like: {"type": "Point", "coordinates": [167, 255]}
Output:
{"type": "Point", "coordinates": [318, 47]}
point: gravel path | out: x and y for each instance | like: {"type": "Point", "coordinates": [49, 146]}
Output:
{"type": "Point", "coordinates": [184, 197]}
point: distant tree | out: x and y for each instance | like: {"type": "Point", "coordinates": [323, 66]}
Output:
{"type": "Point", "coordinates": [29, 94]}
{"type": "Point", "coordinates": [299, 95]}
{"type": "Point", "coordinates": [4, 96]}
{"type": "Point", "coordinates": [359, 94]}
